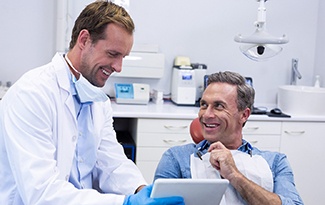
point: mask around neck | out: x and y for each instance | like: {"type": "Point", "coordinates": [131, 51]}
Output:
{"type": "Point", "coordinates": [85, 90]}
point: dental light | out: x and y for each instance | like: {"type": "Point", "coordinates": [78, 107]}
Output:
{"type": "Point", "coordinates": [261, 45]}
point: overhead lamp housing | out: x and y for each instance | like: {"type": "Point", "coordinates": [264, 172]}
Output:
{"type": "Point", "coordinates": [261, 45]}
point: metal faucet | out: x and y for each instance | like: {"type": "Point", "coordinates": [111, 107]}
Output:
{"type": "Point", "coordinates": [295, 72]}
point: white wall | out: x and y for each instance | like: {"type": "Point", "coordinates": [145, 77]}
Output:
{"type": "Point", "coordinates": [27, 36]}
{"type": "Point", "coordinates": [202, 30]}
{"type": "Point", "coordinates": [320, 44]}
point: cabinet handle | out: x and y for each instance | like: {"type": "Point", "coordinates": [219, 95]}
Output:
{"type": "Point", "coordinates": [170, 127]}
{"type": "Point", "coordinates": [250, 129]}
{"type": "Point", "coordinates": [175, 141]}
{"type": "Point", "coordinates": [254, 141]}
{"type": "Point", "coordinates": [295, 132]}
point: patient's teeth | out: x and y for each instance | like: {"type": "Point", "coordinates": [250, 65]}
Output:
{"type": "Point", "coordinates": [210, 125]}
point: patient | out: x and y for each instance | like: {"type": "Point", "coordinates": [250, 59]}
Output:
{"type": "Point", "coordinates": [255, 176]}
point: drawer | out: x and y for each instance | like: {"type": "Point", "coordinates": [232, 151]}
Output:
{"type": "Point", "coordinates": [163, 126]}
{"type": "Point", "coordinates": [163, 140]}
{"type": "Point", "coordinates": [264, 142]}
{"type": "Point", "coordinates": [260, 127]}
{"type": "Point", "coordinates": [149, 153]}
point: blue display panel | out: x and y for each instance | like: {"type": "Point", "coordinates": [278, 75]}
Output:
{"type": "Point", "coordinates": [124, 90]}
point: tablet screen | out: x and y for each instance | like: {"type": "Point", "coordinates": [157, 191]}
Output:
{"type": "Point", "coordinates": [194, 191]}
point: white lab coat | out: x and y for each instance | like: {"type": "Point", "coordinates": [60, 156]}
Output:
{"type": "Point", "coordinates": [38, 138]}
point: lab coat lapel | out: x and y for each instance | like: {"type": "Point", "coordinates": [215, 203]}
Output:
{"type": "Point", "coordinates": [62, 73]}
{"type": "Point", "coordinates": [67, 124]}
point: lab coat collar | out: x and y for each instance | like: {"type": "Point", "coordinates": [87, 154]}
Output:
{"type": "Point", "coordinates": [62, 72]}
{"type": "Point", "coordinates": [63, 76]}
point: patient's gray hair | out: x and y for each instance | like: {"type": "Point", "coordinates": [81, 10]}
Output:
{"type": "Point", "coordinates": [245, 93]}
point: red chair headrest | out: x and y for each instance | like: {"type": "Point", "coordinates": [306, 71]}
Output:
{"type": "Point", "coordinates": [196, 131]}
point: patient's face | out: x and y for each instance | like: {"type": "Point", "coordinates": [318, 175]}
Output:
{"type": "Point", "coordinates": [219, 115]}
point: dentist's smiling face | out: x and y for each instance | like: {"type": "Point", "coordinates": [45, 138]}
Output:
{"type": "Point", "coordinates": [219, 116]}
{"type": "Point", "coordinates": [99, 60]}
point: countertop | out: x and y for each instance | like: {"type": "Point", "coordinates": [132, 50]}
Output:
{"type": "Point", "coordinates": [169, 110]}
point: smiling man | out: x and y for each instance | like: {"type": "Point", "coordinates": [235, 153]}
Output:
{"type": "Point", "coordinates": [57, 141]}
{"type": "Point", "coordinates": [256, 177]}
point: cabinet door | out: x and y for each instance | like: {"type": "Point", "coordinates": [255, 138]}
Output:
{"type": "Point", "coordinates": [163, 139]}
{"type": "Point", "coordinates": [262, 127]}
{"type": "Point", "coordinates": [303, 143]}
{"type": "Point", "coordinates": [264, 135]}
{"type": "Point", "coordinates": [163, 126]}
{"type": "Point", "coordinates": [154, 137]}
{"type": "Point", "coordinates": [264, 142]}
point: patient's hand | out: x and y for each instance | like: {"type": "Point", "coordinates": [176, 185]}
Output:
{"type": "Point", "coordinates": [221, 159]}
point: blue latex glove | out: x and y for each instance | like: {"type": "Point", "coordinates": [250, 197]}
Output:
{"type": "Point", "coordinates": [143, 198]}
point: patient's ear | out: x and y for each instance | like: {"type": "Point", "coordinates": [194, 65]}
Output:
{"type": "Point", "coordinates": [245, 114]}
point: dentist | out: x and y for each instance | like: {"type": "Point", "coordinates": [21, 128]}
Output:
{"type": "Point", "coordinates": [57, 141]}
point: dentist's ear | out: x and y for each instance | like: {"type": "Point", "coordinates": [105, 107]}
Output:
{"type": "Point", "coordinates": [83, 38]}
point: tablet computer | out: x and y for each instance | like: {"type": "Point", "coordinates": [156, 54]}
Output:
{"type": "Point", "coordinates": [194, 191]}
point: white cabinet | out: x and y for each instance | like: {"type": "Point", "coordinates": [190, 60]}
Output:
{"type": "Point", "coordinates": [263, 135]}
{"type": "Point", "coordinates": [303, 143]}
{"type": "Point", "coordinates": [154, 137]}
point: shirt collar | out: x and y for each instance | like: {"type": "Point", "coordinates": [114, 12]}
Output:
{"type": "Point", "coordinates": [246, 147]}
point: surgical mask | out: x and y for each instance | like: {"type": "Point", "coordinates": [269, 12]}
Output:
{"type": "Point", "coordinates": [85, 90]}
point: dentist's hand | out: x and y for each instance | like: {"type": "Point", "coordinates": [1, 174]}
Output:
{"type": "Point", "coordinates": [143, 198]}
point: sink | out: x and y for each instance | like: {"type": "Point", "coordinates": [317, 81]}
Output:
{"type": "Point", "coordinates": [301, 100]}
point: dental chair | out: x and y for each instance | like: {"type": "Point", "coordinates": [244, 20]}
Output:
{"type": "Point", "coordinates": [196, 131]}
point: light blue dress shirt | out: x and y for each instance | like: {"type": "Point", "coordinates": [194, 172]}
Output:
{"type": "Point", "coordinates": [175, 163]}
{"type": "Point", "coordinates": [85, 155]}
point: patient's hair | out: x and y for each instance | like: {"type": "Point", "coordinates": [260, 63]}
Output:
{"type": "Point", "coordinates": [245, 92]}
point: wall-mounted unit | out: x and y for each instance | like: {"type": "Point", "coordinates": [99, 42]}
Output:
{"type": "Point", "coordinates": [143, 65]}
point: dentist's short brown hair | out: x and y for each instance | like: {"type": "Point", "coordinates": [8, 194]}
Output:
{"type": "Point", "coordinates": [95, 18]}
